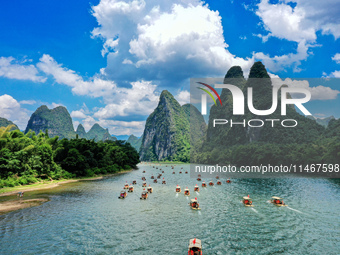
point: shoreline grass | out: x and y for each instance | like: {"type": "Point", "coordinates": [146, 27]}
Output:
{"type": "Point", "coordinates": [47, 184]}
{"type": "Point", "coordinates": [166, 162]}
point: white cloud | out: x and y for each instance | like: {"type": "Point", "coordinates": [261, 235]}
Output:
{"type": "Point", "coordinates": [88, 123]}
{"type": "Point", "coordinates": [318, 93]}
{"type": "Point", "coordinates": [48, 104]}
{"type": "Point", "coordinates": [96, 87]}
{"type": "Point", "coordinates": [335, 74]}
{"type": "Point", "coordinates": [284, 22]}
{"type": "Point", "coordinates": [277, 63]}
{"type": "Point", "coordinates": [140, 99]}
{"type": "Point", "coordinates": [200, 43]}
{"type": "Point", "coordinates": [333, 29]}
{"type": "Point", "coordinates": [336, 58]}
{"type": "Point", "coordinates": [115, 127]}
{"type": "Point", "coordinates": [301, 22]}
{"type": "Point", "coordinates": [155, 45]}
{"type": "Point", "coordinates": [115, 17]}
{"type": "Point", "coordinates": [323, 93]}
{"type": "Point", "coordinates": [75, 124]}
{"type": "Point", "coordinates": [78, 114]}
{"type": "Point", "coordinates": [10, 109]}
{"type": "Point", "coordinates": [322, 15]}
{"type": "Point", "coordinates": [29, 102]}
{"type": "Point", "coordinates": [109, 44]}
{"type": "Point", "coordinates": [12, 69]}
{"type": "Point", "coordinates": [183, 97]}
{"type": "Point", "coordinates": [298, 24]}
{"type": "Point", "coordinates": [127, 62]}
{"type": "Point", "coordinates": [123, 127]}
{"type": "Point", "coordinates": [54, 105]}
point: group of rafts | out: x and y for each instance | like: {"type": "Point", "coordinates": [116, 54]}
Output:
{"type": "Point", "coordinates": [146, 192]}
{"type": "Point", "coordinates": [193, 202]}
{"type": "Point", "coordinates": [247, 201]}
{"type": "Point", "coordinates": [130, 188]}
{"type": "Point", "coordinates": [195, 245]}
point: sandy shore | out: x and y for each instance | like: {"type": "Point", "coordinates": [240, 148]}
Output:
{"type": "Point", "coordinates": [20, 203]}
{"type": "Point", "coordinates": [53, 184]}
{"type": "Point", "coordinates": [28, 188]}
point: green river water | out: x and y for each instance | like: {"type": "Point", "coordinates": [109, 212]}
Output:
{"type": "Point", "coordinates": [88, 218]}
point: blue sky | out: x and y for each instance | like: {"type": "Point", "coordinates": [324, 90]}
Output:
{"type": "Point", "coordinates": [107, 61]}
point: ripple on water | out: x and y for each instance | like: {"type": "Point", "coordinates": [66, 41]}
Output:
{"type": "Point", "coordinates": [87, 218]}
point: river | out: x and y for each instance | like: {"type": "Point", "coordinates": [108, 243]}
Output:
{"type": "Point", "coordinates": [88, 218]}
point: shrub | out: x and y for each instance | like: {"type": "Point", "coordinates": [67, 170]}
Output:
{"type": "Point", "coordinates": [89, 173]}
{"type": "Point", "coordinates": [22, 180]}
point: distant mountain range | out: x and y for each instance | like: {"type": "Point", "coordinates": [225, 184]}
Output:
{"type": "Point", "coordinates": [173, 131]}
{"type": "Point", "coordinates": [58, 122]}
{"type": "Point", "coordinates": [322, 121]}
{"type": "Point", "coordinates": [96, 132]}
{"type": "Point", "coordinates": [135, 141]}
{"type": "Point", "coordinates": [122, 137]}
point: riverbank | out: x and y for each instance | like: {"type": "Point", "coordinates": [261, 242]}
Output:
{"type": "Point", "coordinates": [14, 205]}
{"type": "Point", "coordinates": [165, 162]}
{"type": "Point", "coordinates": [9, 191]}
{"type": "Point", "coordinates": [21, 203]}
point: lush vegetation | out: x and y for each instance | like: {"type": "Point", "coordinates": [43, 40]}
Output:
{"type": "Point", "coordinates": [319, 152]}
{"type": "Point", "coordinates": [57, 121]}
{"type": "Point", "coordinates": [29, 158]}
{"type": "Point", "coordinates": [309, 142]}
{"type": "Point", "coordinates": [167, 134]}
{"type": "Point", "coordinates": [198, 127]}
{"type": "Point", "coordinates": [5, 122]}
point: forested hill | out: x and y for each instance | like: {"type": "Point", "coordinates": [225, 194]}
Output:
{"type": "Point", "coordinates": [5, 122]}
{"type": "Point", "coordinates": [57, 121]}
{"type": "Point", "coordinates": [96, 132]}
{"type": "Point", "coordinates": [198, 127]}
{"type": "Point", "coordinates": [225, 135]}
{"type": "Point", "coordinates": [322, 121]}
{"type": "Point", "coordinates": [29, 158]}
{"type": "Point", "coordinates": [308, 142]}
{"type": "Point", "coordinates": [166, 135]}
{"type": "Point", "coordinates": [135, 141]}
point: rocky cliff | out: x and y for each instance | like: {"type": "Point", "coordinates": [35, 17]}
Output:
{"type": "Point", "coordinates": [81, 131]}
{"type": "Point", "coordinates": [198, 127]}
{"type": "Point", "coordinates": [166, 135]}
{"type": "Point", "coordinates": [58, 122]}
